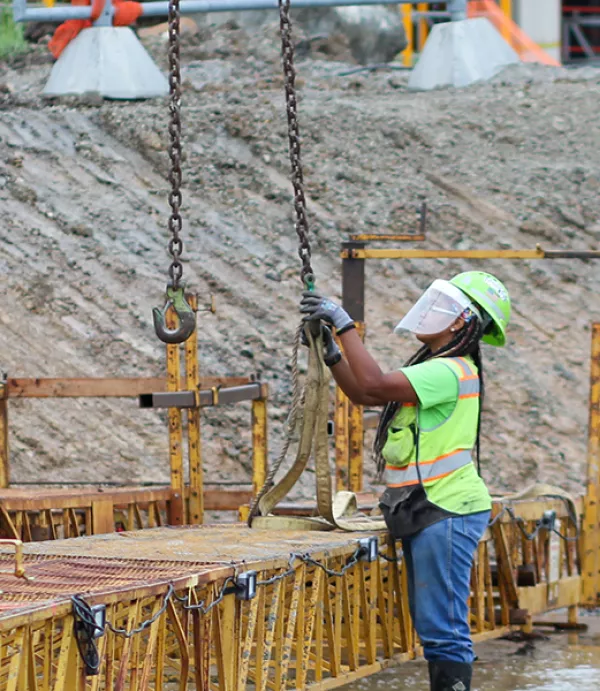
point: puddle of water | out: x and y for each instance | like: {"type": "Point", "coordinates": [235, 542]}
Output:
{"type": "Point", "coordinates": [561, 662]}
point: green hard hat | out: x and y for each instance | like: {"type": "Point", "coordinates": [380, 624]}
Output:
{"type": "Point", "coordinates": [491, 295]}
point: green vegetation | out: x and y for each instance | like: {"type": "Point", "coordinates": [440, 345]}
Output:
{"type": "Point", "coordinates": [11, 34]}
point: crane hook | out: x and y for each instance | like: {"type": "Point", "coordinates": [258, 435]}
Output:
{"type": "Point", "coordinates": [186, 315]}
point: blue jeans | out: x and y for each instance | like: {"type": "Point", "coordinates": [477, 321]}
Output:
{"type": "Point", "coordinates": [438, 560]}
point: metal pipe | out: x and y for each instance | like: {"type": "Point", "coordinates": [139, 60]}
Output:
{"type": "Point", "coordinates": [159, 8]}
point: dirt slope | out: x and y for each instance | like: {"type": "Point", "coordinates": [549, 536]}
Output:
{"type": "Point", "coordinates": [83, 236]}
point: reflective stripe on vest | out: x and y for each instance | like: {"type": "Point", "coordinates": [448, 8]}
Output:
{"type": "Point", "coordinates": [437, 468]}
{"type": "Point", "coordinates": [430, 470]}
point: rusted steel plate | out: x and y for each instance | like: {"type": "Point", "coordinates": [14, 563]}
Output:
{"type": "Point", "coordinates": [216, 544]}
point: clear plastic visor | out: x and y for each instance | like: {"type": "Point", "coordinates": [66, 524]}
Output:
{"type": "Point", "coordinates": [435, 311]}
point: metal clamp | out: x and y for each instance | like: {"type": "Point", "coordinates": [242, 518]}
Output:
{"type": "Point", "coordinates": [175, 298]}
{"type": "Point", "coordinates": [369, 548]}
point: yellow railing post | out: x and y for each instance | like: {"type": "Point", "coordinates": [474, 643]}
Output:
{"type": "Point", "coordinates": [177, 502]}
{"type": "Point", "coordinates": [407, 54]}
{"type": "Point", "coordinates": [259, 441]}
{"type": "Point", "coordinates": [356, 435]}
{"type": "Point", "coordinates": [340, 425]}
{"type": "Point", "coordinates": [423, 30]}
{"type": "Point", "coordinates": [590, 552]}
{"type": "Point", "coordinates": [4, 457]}
{"type": "Point", "coordinates": [192, 377]}
{"type": "Point", "coordinates": [506, 7]}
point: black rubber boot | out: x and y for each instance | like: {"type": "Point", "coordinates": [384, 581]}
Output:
{"type": "Point", "coordinates": [445, 675]}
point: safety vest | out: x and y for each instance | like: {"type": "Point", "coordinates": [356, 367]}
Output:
{"type": "Point", "coordinates": [443, 448]}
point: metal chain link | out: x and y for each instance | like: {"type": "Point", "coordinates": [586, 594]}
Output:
{"type": "Point", "coordinates": [83, 611]}
{"type": "Point", "coordinates": [205, 609]}
{"type": "Point", "coordinates": [520, 523]}
{"type": "Point", "coordinates": [352, 561]}
{"type": "Point", "coordinates": [175, 245]}
{"type": "Point", "coordinates": [301, 225]}
{"type": "Point", "coordinates": [289, 78]}
{"type": "Point", "coordinates": [86, 624]}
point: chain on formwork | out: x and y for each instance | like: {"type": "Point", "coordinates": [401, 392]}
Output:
{"type": "Point", "coordinates": [175, 297]}
{"type": "Point", "coordinates": [546, 522]}
{"type": "Point", "coordinates": [301, 226]}
{"type": "Point", "coordinates": [88, 629]}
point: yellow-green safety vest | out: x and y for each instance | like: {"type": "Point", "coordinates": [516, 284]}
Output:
{"type": "Point", "coordinates": [443, 448]}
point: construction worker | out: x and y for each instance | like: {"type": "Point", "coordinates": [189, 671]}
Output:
{"type": "Point", "coordinates": [435, 500]}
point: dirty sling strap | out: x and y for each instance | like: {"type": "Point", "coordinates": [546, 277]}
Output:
{"type": "Point", "coordinates": [341, 511]}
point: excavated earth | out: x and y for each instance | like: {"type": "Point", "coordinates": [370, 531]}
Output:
{"type": "Point", "coordinates": [83, 192]}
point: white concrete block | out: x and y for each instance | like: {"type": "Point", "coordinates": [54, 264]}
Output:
{"type": "Point", "coordinates": [109, 60]}
{"type": "Point", "coordinates": [461, 53]}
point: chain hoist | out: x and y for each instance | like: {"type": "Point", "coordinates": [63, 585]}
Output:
{"type": "Point", "coordinates": [289, 79]}
{"type": "Point", "coordinates": [175, 295]}
{"type": "Point", "coordinates": [310, 403]}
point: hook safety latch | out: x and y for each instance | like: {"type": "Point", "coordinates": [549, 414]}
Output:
{"type": "Point", "coordinates": [185, 314]}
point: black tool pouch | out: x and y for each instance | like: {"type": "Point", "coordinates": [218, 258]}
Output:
{"type": "Point", "coordinates": [407, 510]}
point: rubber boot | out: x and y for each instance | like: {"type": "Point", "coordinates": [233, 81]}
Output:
{"type": "Point", "coordinates": [446, 675]}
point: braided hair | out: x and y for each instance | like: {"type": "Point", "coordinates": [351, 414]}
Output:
{"type": "Point", "coordinates": [465, 343]}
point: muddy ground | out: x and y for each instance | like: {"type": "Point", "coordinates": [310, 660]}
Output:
{"type": "Point", "coordinates": [83, 255]}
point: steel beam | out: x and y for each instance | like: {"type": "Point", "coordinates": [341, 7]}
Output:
{"type": "Point", "coordinates": [210, 397]}
{"type": "Point", "coordinates": [397, 253]}
{"type": "Point", "coordinates": [159, 8]}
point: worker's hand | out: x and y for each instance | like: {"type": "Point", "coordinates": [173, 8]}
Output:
{"type": "Point", "coordinates": [331, 353]}
{"type": "Point", "coordinates": [315, 306]}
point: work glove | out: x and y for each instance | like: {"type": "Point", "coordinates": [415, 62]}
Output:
{"type": "Point", "coordinates": [331, 353]}
{"type": "Point", "coordinates": [315, 306]}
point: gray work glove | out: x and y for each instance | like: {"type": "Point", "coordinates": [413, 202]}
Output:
{"type": "Point", "coordinates": [315, 306]}
{"type": "Point", "coordinates": [331, 353]}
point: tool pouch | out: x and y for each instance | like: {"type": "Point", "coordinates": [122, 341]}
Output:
{"type": "Point", "coordinates": [407, 510]}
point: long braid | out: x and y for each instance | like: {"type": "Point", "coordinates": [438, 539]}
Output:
{"type": "Point", "coordinates": [476, 355]}
{"type": "Point", "coordinates": [465, 342]}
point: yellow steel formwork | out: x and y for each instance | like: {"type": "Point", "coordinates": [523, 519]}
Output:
{"type": "Point", "coordinates": [306, 626]}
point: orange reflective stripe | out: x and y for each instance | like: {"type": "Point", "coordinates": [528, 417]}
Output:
{"type": "Point", "coordinates": [435, 460]}
{"type": "Point", "coordinates": [429, 479]}
{"type": "Point", "coordinates": [428, 470]}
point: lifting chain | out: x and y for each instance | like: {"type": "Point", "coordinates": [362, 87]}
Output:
{"type": "Point", "coordinates": [301, 225]}
{"type": "Point", "coordinates": [313, 397]}
{"type": "Point", "coordinates": [289, 78]}
{"type": "Point", "coordinates": [175, 245]}
{"type": "Point", "coordinates": [175, 289]}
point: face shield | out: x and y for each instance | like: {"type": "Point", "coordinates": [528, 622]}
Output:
{"type": "Point", "coordinates": [436, 310]}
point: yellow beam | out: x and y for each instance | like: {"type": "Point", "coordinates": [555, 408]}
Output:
{"type": "Point", "coordinates": [340, 422]}
{"type": "Point", "coordinates": [192, 379]}
{"type": "Point", "coordinates": [506, 7]}
{"type": "Point", "coordinates": [4, 457]}
{"type": "Point", "coordinates": [407, 54]}
{"type": "Point", "coordinates": [259, 443]}
{"type": "Point", "coordinates": [397, 253]}
{"type": "Point", "coordinates": [177, 506]}
{"type": "Point", "coordinates": [591, 516]}
{"type": "Point", "coordinates": [356, 437]}
{"type": "Point", "coordinates": [423, 29]}
{"type": "Point", "coordinates": [394, 253]}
